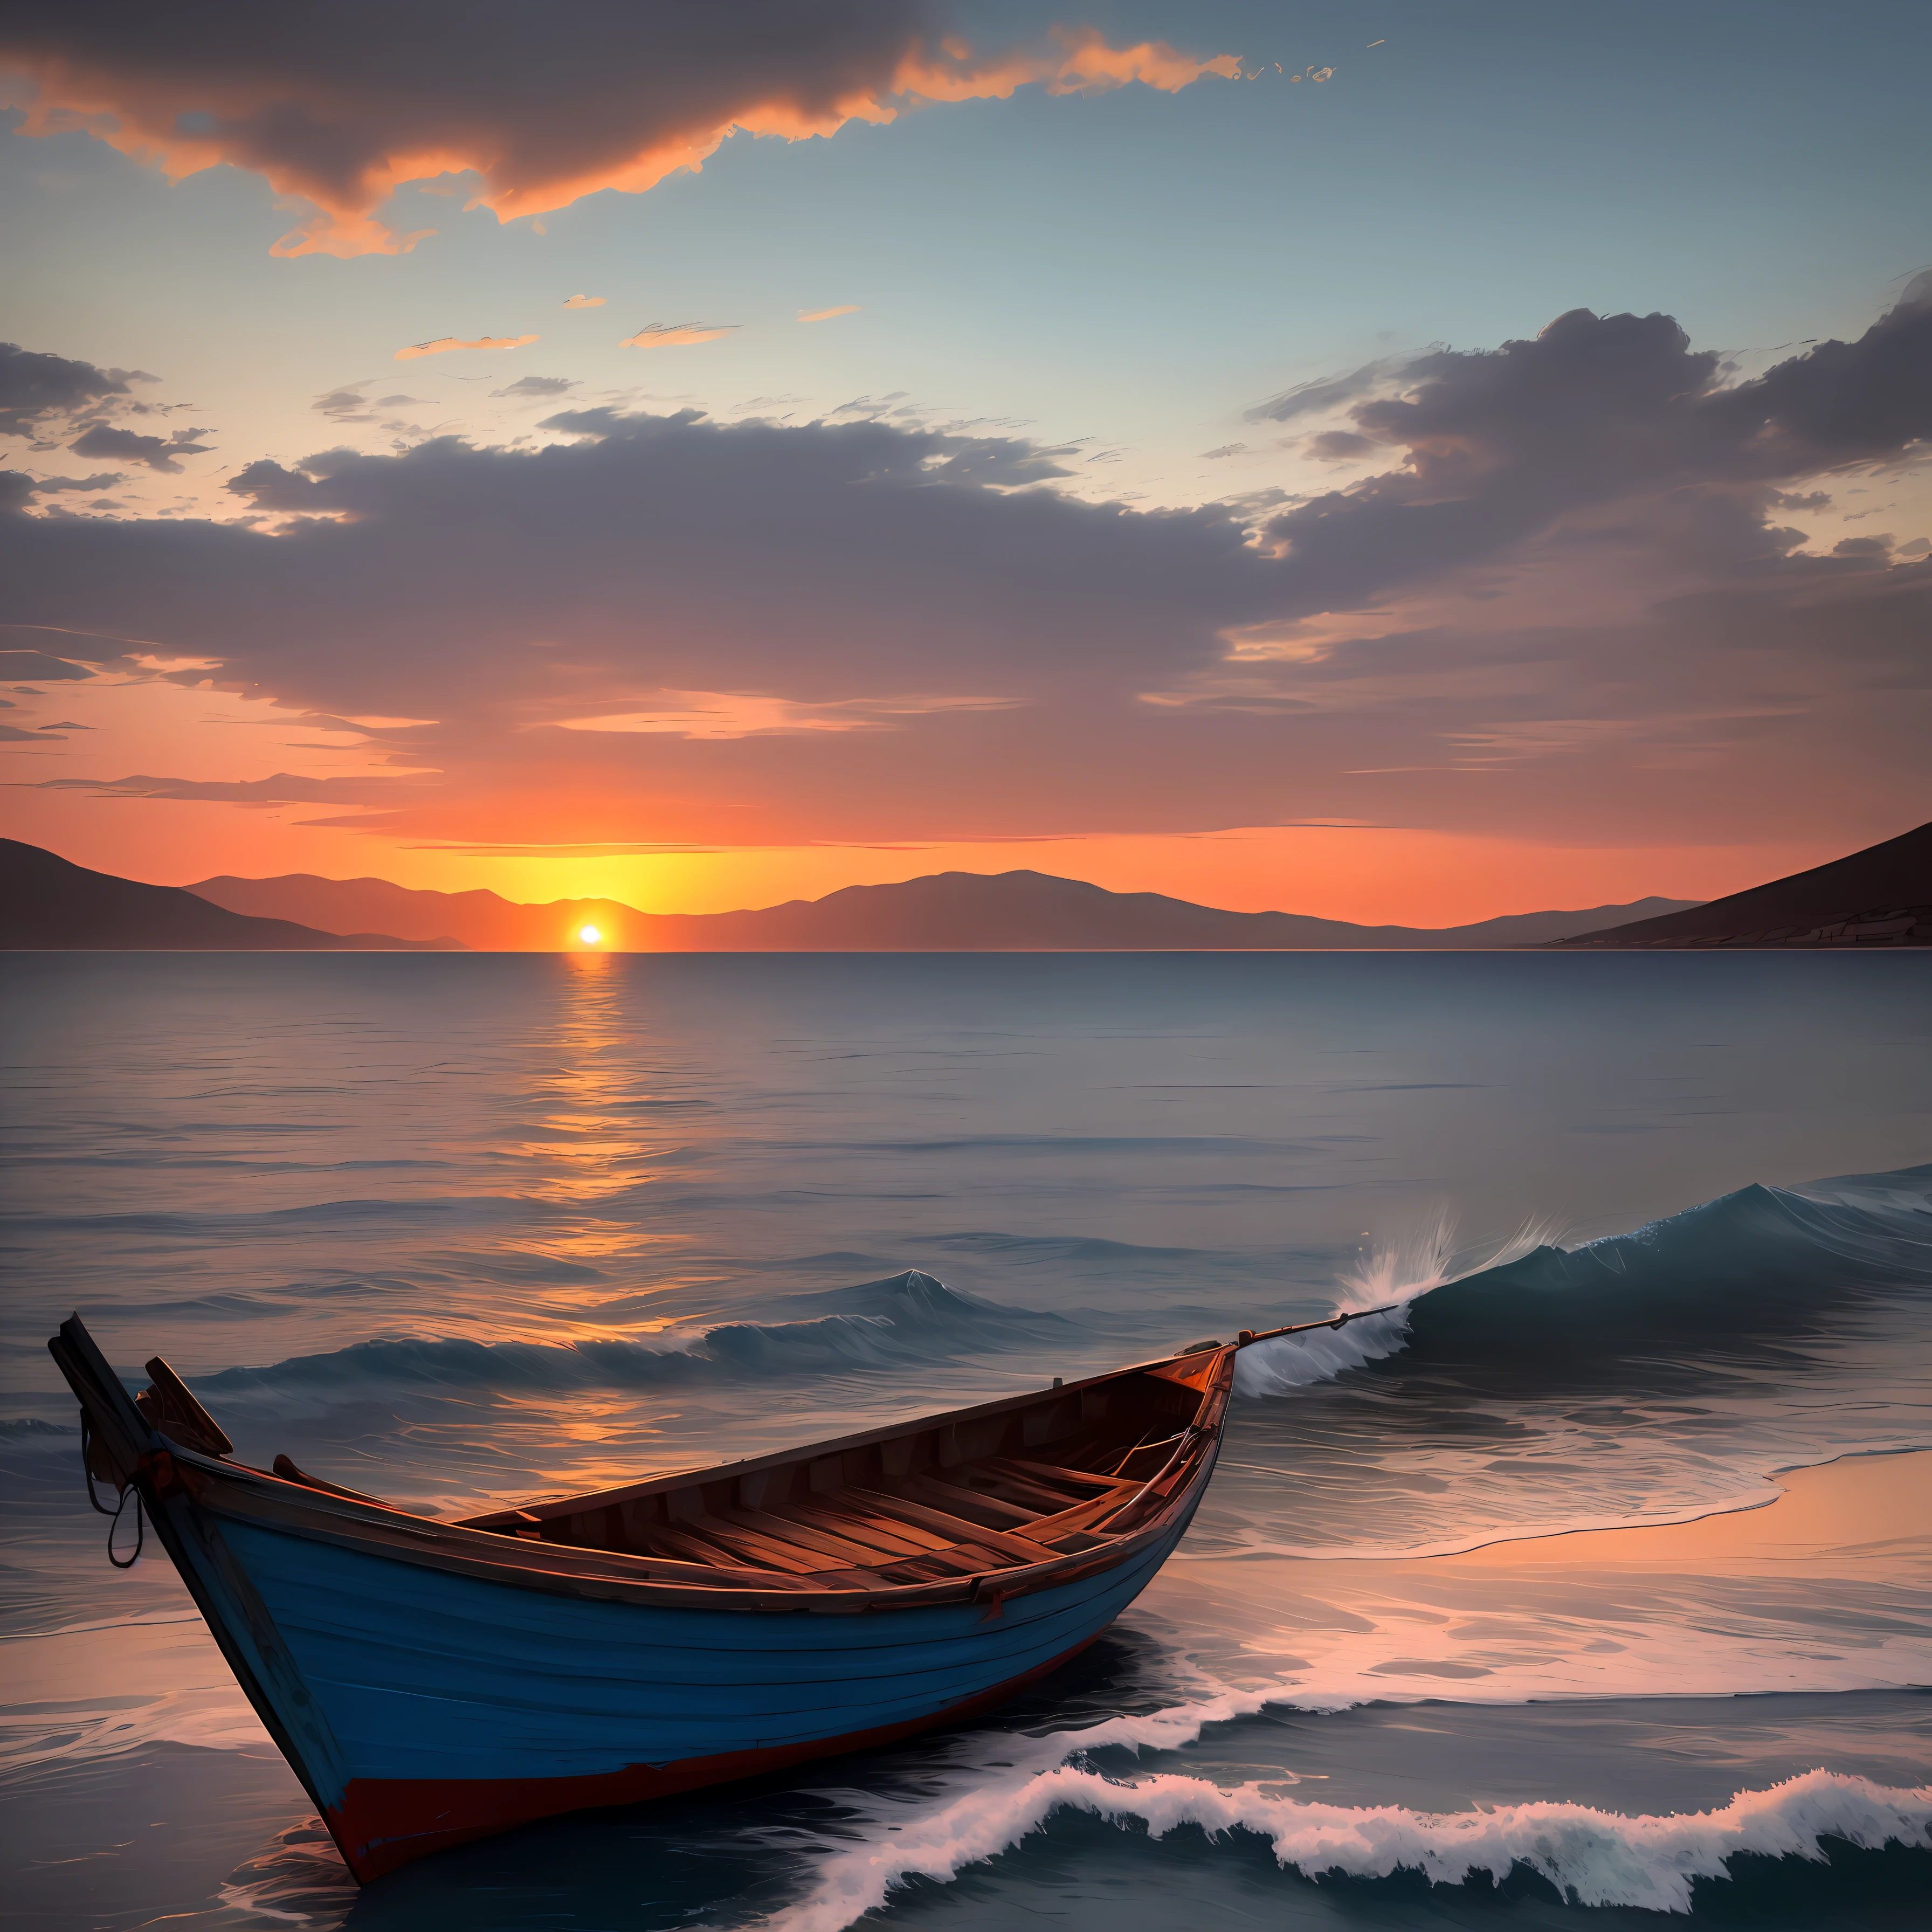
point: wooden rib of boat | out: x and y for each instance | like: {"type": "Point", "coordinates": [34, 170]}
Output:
{"type": "Point", "coordinates": [432, 1681]}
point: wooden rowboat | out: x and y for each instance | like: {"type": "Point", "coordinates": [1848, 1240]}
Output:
{"type": "Point", "coordinates": [431, 1681]}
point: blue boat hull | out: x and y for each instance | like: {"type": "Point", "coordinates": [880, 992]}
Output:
{"type": "Point", "coordinates": [433, 1682]}
{"type": "Point", "coordinates": [436, 1707]}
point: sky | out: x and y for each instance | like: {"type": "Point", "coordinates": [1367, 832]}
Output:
{"type": "Point", "coordinates": [1408, 461]}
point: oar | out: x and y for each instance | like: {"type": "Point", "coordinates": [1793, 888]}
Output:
{"type": "Point", "coordinates": [1249, 1335]}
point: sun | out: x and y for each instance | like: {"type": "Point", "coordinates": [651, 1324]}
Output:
{"type": "Point", "coordinates": [589, 935]}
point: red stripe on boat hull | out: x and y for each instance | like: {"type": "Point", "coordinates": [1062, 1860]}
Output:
{"type": "Point", "coordinates": [385, 1822]}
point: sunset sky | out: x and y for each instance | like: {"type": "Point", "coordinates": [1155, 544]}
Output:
{"type": "Point", "coordinates": [1411, 461]}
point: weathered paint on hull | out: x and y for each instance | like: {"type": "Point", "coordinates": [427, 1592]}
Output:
{"type": "Point", "coordinates": [424, 1707]}
{"type": "Point", "coordinates": [396, 1821]}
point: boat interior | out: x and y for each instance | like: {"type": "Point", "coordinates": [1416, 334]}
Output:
{"type": "Point", "coordinates": [1023, 1481]}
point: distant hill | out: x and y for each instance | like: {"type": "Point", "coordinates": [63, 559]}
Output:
{"type": "Point", "coordinates": [46, 903]}
{"type": "Point", "coordinates": [1880, 896]}
{"type": "Point", "coordinates": [483, 920]}
{"type": "Point", "coordinates": [948, 912]}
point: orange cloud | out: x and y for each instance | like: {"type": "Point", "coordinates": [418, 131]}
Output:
{"type": "Point", "coordinates": [725, 714]}
{"type": "Point", "coordinates": [585, 302]}
{"type": "Point", "coordinates": [443, 344]}
{"type": "Point", "coordinates": [826, 314]}
{"type": "Point", "coordinates": [676, 335]}
{"type": "Point", "coordinates": [287, 94]}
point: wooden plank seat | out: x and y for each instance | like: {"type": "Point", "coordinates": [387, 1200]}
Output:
{"type": "Point", "coordinates": [925, 1526]}
{"type": "Point", "coordinates": [893, 1536]}
{"type": "Point", "coordinates": [1058, 1476]}
{"type": "Point", "coordinates": [1013, 1484]}
{"type": "Point", "coordinates": [974, 1506]}
{"type": "Point", "coordinates": [1008, 1485]}
{"type": "Point", "coordinates": [1014, 1549]}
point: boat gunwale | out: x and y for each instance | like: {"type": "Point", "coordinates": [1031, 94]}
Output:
{"type": "Point", "coordinates": [837, 1445]}
{"type": "Point", "coordinates": [223, 1487]}
{"type": "Point", "coordinates": [556, 1569]}
{"type": "Point", "coordinates": [565, 1570]}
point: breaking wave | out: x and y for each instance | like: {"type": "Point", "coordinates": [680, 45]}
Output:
{"type": "Point", "coordinates": [897, 1323]}
{"type": "Point", "coordinates": [1591, 1857]}
{"type": "Point", "coordinates": [1762, 1262]}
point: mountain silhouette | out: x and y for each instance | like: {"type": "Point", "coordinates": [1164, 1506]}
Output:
{"type": "Point", "coordinates": [46, 903]}
{"type": "Point", "coordinates": [1882, 895]}
{"type": "Point", "coordinates": [946, 912]}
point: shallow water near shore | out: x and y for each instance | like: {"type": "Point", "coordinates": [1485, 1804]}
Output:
{"type": "Point", "coordinates": [457, 1229]}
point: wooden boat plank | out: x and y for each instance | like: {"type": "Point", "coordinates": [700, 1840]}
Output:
{"type": "Point", "coordinates": [971, 1504]}
{"type": "Point", "coordinates": [801, 1538]}
{"type": "Point", "coordinates": [961, 1532]}
{"type": "Point", "coordinates": [698, 1546]}
{"type": "Point", "coordinates": [1085, 1478]}
{"type": "Point", "coordinates": [920, 1502]}
{"type": "Point", "coordinates": [955, 1560]}
{"type": "Point", "coordinates": [871, 1538]}
{"type": "Point", "coordinates": [990, 1477]}
{"type": "Point", "coordinates": [773, 1550]}
{"type": "Point", "coordinates": [889, 1530]}
{"type": "Point", "coordinates": [1101, 1391]}
{"type": "Point", "coordinates": [1103, 1508]}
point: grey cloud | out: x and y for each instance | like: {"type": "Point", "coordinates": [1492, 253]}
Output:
{"type": "Point", "coordinates": [34, 386]}
{"type": "Point", "coordinates": [343, 404]}
{"type": "Point", "coordinates": [503, 592]}
{"type": "Point", "coordinates": [1334, 443]}
{"type": "Point", "coordinates": [284, 788]}
{"type": "Point", "coordinates": [537, 385]}
{"type": "Point", "coordinates": [297, 94]}
{"type": "Point", "coordinates": [1503, 444]}
{"type": "Point", "coordinates": [104, 479]}
{"type": "Point", "coordinates": [668, 551]}
{"type": "Point", "coordinates": [41, 664]}
{"type": "Point", "coordinates": [157, 452]}
{"type": "Point", "coordinates": [1327, 392]}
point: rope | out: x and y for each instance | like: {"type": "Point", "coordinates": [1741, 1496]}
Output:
{"type": "Point", "coordinates": [113, 1515]}
{"type": "Point", "coordinates": [140, 1530]}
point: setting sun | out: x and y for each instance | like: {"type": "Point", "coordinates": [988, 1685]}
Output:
{"type": "Point", "coordinates": [589, 935]}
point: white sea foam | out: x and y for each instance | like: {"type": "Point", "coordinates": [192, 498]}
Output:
{"type": "Point", "coordinates": [1293, 1361]}
{"type": "Point", "coordinates": [1409, 1260]}
{"type": "Point", "coordinates": [1595, 1857]}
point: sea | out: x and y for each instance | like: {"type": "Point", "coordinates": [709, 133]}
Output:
{"type": "Point", "coordinates": [1652, 1232]}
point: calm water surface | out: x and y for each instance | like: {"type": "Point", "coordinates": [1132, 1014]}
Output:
{"type": "Point", "coordinates": [463, 1228]}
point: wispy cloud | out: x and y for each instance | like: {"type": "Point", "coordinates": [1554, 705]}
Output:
{"type": "Point", "coordinates": [722, 714]}
{"type": "Point", "coordinates": [347, 404]}
{"type": "Point", "coordinates": [826, 314]}
{"type": "Point", "coordinates": [443, 344]}
{"type": "Point", "coordinates": [585, 301]}
{"type": "Point", "coordinates": [105, 479]}
{"type": "Point", "coordinates": [1329, 392]}
{"type": "Point", "coordinates": [677, 335]}
{"type": "Point", "coordinates": [537, 385]}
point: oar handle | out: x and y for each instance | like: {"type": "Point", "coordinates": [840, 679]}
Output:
{"type": "Point", "coordinates": [1249, 1335]}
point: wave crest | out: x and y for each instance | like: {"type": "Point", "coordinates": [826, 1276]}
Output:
{"type": "Point", "coordinates": [901, 1321]}
{"type": "Point", "coordinates": [1592, 1857]}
